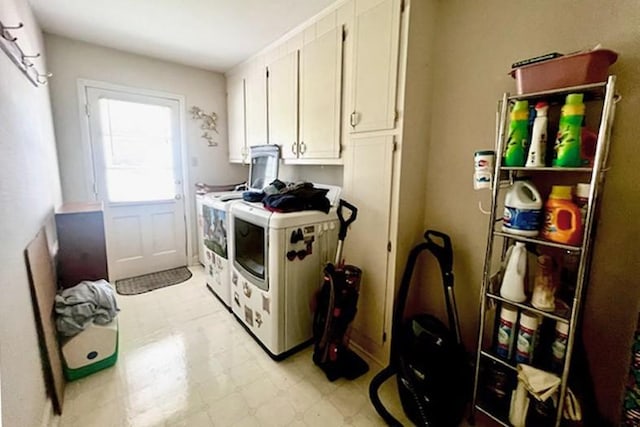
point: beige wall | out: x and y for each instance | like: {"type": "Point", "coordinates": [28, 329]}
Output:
{"type": "Point", "coordinates": [71, 60]}
{"type": "Point", "coordinates": [325, 174]}
{"type": "Point", "coordinates": [29, 190]}
{"type": "Point", "coordinates": [476, 43]}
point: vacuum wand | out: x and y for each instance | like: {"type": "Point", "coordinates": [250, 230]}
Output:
{"type": "Point", "coordinates": [344, 225]}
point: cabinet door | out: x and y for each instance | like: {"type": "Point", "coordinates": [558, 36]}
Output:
{"type": "Point", "coordinates": [320, 87]}
{"type": "Point", "coordinates": [283, 104]}
{"type": "Point", "coordinates": [256, 103]}
{"type": "Point", "coordinates": [375, 64]}
{"type": "Point", "coordinates": [236, 112]}
{"type": "Point", "coordinates": [368, 176]}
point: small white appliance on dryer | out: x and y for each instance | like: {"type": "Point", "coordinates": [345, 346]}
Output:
{"type": "Point", "coordinates": [277, 264]}
{"type": "Point", "coordinates": [215, 214]}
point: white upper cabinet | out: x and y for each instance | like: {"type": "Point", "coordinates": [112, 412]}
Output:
{"type": "Point", "coordinates": [256, 104]}
{"type": "Point", "coordinates": [283, 104]}
{"type": "Point", "coordinates": [375, 65]}
{"type": "Point", "coordinates": [238, 152]}
{"type": "Point", "coordinates": [320, 96]}
{"type": "Point", "coordinates": [293, 95]}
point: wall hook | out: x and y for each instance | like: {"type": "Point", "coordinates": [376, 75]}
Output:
{"type": "Point", "coordinates": [43, 79]}
{"type": "Point", "coordinates": [26, 59]}
{"type": "Point", "coordinates": [5, 35]}
{"type": "Point", "coordinates": [482, 209]}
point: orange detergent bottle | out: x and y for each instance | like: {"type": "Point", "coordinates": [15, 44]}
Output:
{"type": "Point", "coordinates": [562, 220]}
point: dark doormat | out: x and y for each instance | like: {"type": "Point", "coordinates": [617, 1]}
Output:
{"type": "Point", "coordinates": [152, 281]}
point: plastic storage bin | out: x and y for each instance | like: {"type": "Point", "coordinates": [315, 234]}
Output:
{"type": "Point", "coordinates": [90, 351]}
{"type": "Point", "coordinates": [565, 71]}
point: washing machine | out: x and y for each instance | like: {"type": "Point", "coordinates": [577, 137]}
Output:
{"type": "Point", "coordinates": [277, 260]}
{"type": "Point", "coordinates": [263, 169]}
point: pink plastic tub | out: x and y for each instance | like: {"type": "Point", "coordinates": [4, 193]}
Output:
{"type": "Point", "coordinates": [565, 71]}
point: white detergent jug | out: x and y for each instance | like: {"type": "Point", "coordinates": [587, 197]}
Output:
{"type": "Point", "coordinates": [515, 273]}
{"type": "Point", "coordinates": [522, 209]}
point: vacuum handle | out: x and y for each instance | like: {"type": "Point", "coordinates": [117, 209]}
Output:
{"type": "Point", "coordinates": [443, 253]}
{"type": "Point", "coordinates": [345, 223]}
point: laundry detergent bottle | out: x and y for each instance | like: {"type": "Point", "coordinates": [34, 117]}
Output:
{"type": "Point", "coordinates": [516, 150]}
{"type": "Point", "coordinates": [522, 209]}
{"type": "Point", "coordinates": [515, 273]}
{"type": "Point", "coordinates": [562, 217]}
{"type": "Point", "coordinates": [567, 147]}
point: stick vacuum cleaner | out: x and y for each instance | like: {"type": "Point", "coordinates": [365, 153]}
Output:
{"type": "Point", "coordinates": [335, 307]}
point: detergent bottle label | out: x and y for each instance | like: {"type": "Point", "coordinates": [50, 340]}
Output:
{"type": "Point", "coordinates": [521, 219]}
{"type": "Point", "coordinates": [550, 222]}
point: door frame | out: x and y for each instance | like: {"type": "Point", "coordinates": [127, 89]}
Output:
{"type": "Point", "coordinates": [87, 148]}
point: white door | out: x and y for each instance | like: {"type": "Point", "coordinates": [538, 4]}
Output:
{"type": "Point", "coordinates": [283, 104]}
{"type": "Point", "coordinates": [375, 64]}
{"type": "Point", "coordinates": [368, 187]}
{"type": "Point", "coordinates": [136, 144]}
{"type": "Point", "coordinates": [320, 101]}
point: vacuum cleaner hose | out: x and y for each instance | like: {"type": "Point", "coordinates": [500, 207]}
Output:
{"type": "Point", "coordinates": [374, 387]}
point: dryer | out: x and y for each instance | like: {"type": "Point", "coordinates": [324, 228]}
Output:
{"type": "Point", "coordinates": [277, 265]}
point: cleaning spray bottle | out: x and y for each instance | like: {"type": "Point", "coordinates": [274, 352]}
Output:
{"type": "Point", "coordinates": [515, 152]}
{"type": "Point", "coordinates": [567, 148]}
{"type": "Point", "coordinates": [538, 146]}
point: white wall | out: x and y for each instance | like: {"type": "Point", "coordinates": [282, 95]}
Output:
{"type": "Point", "coordinates": [29, 191]}
{"type": "Point", "coordinates": [476, 43]}
{"type": "Point", "coordinates": [70, 60]}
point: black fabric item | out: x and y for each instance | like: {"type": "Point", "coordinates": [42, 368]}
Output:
{"type": "Point", "coordinates": [300, 197]}
{"type": "Point", "coordinates": [253, 196]}
{"type": "Point", "coordinates": [276, 186]}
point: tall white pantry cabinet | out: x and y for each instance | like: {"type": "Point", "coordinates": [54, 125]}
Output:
{"type": "Point", "coordinates": [376, 126]}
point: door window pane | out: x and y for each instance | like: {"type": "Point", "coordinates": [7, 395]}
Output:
{"type": "Point", "coordinates": [138, 151]}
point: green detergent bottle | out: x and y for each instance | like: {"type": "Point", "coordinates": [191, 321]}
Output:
{"type": "Point", "coordinates": [515, 153]}
{"type": "Point", "coordinates": [566, 152]}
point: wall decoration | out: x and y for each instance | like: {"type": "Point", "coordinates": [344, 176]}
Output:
{"type": "Point", "coordinates": [209, 123]}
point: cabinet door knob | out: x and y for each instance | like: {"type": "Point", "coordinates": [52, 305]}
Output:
{"type": "Point", "coordinates": [303, 148]}
{"type": "Point", "coordinates": [177, 197]}
{"type": "Point", "coordinates": [353, 119]}
{"type": "Point", "coordinates": [293, 149]}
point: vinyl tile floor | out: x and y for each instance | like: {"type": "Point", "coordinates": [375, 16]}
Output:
{"type": "Point", "coordinates": [184, 360]}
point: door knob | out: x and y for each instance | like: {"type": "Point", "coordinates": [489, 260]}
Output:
{"type": "Point", "coordinates": [178, 196]}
